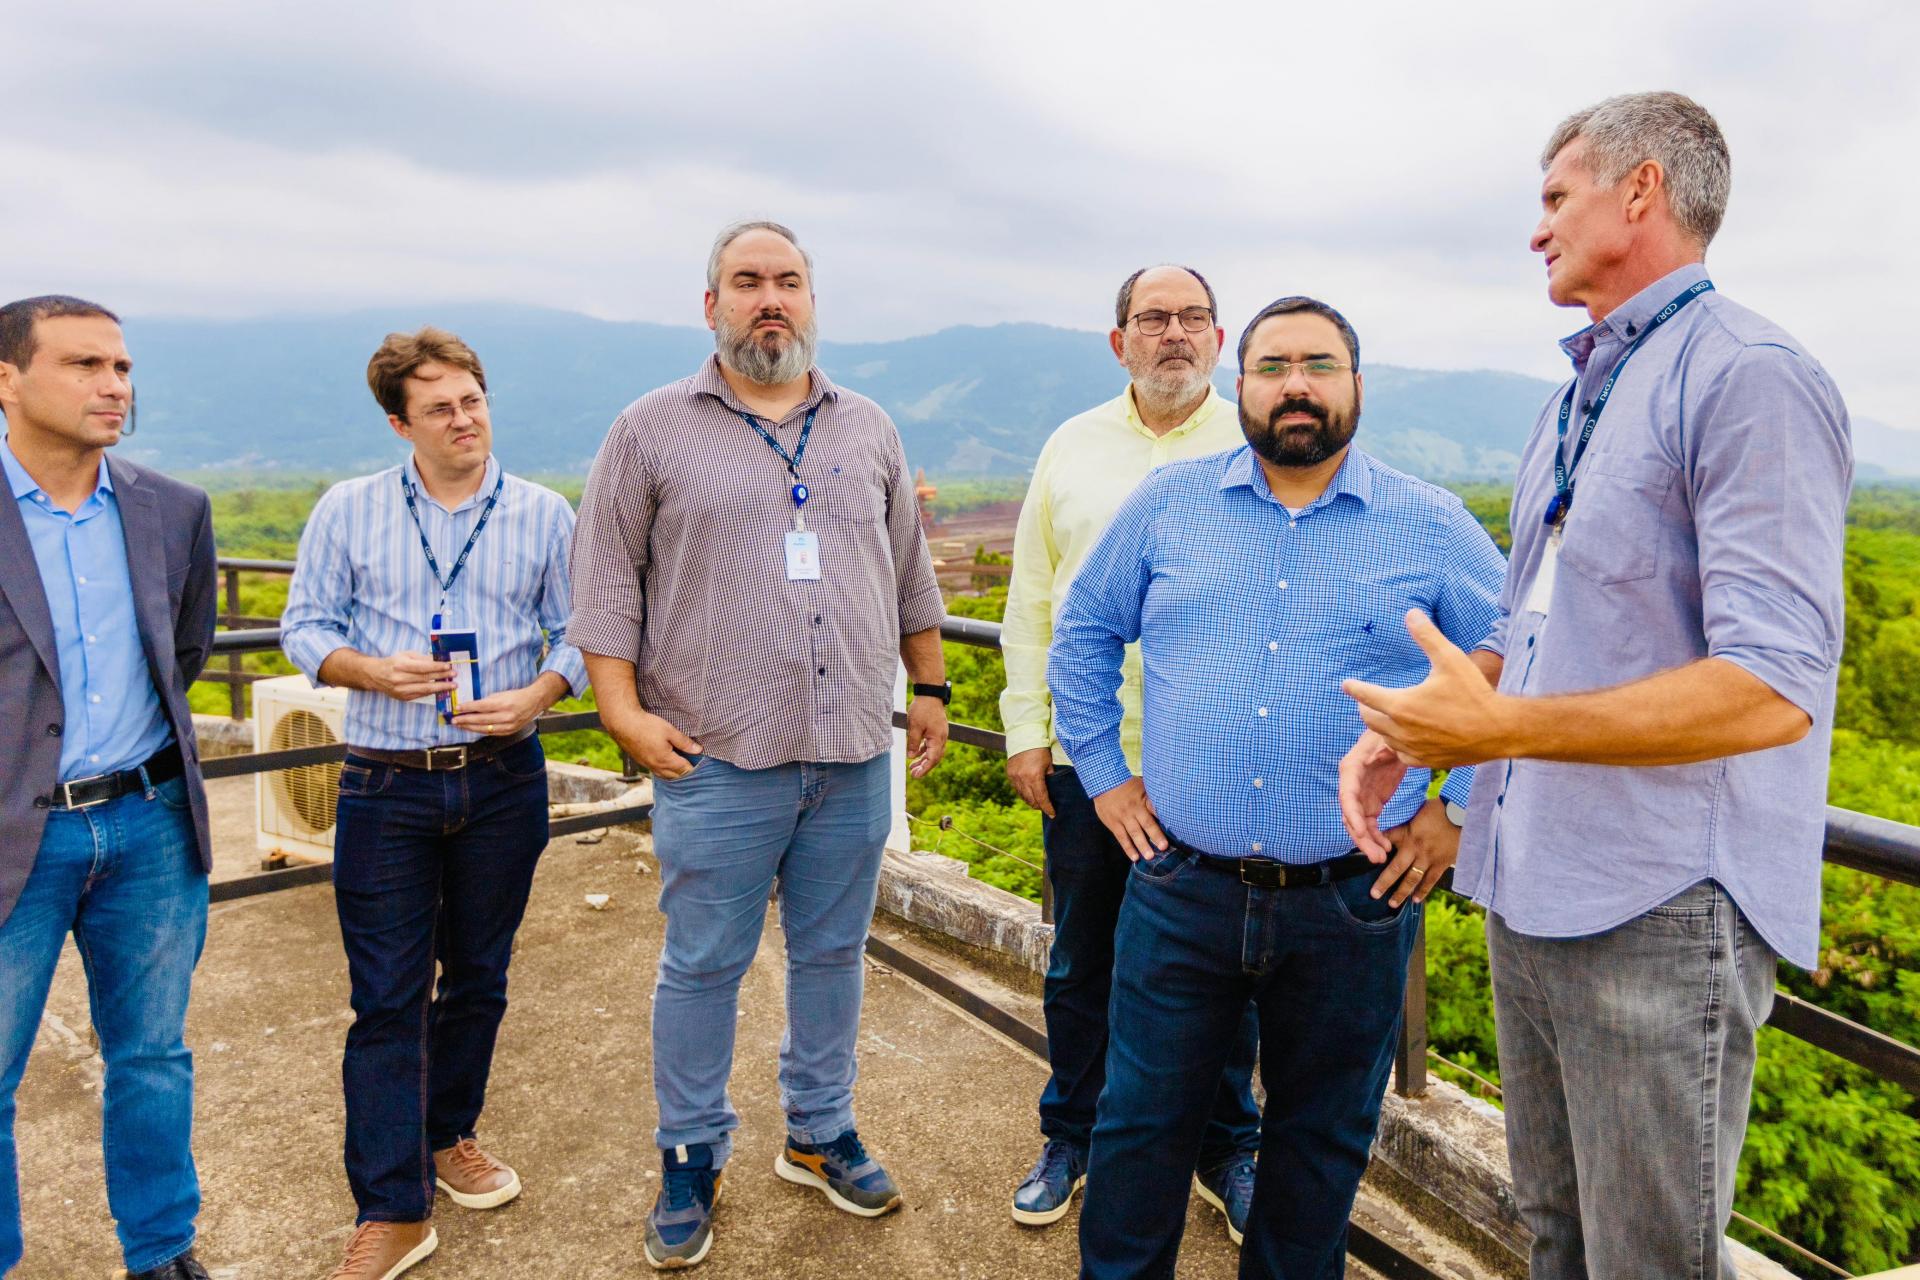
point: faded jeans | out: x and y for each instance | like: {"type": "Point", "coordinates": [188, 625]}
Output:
{"type": "Point", "coordinates": [125, 880]}
{"type": "Point", "coordinates": [725, 836]}
{"type": "Point", "coordinates": [1627, 1062]}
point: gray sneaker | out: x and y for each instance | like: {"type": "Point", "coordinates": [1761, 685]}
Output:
{"type": "Point", "coordinates": [680, 1227]}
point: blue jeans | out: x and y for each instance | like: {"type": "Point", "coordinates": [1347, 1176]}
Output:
{"type": "Point", "coordinates": [724, 836]}
{"type": "Point", "coordinates": [1326, 967]}
{"type": "Point", "coordinates": [428, 869]}
{"type": "Point", "coordinates": [1627, 1062]}
{"type": "Point", "coordinates": [124, 878]}
{"type": "Point", "coordinates": [1088, 873]}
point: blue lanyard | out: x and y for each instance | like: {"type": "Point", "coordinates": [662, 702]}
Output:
{"type": "Point", "coordinates": [406, 487]}
{"type": "Point", "coordinates": [1562, 501]}
{"type": "Point", "coordinates": [792, 460]}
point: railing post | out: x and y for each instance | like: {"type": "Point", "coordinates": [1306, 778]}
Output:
{"type": "Point", "coordinates": [900, 839]}
{"type": "Point", "coordinates": [1410, 1053]}
{"type": "Point", "coordinates": [236, 691]}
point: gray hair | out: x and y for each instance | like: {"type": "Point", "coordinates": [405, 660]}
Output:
{"type": "Point", "coordinates": [1668, 128]}
{"type": "Point", "coordinates": [733, 232]}
{"type": "Point", "coordinates": [1124, 303]}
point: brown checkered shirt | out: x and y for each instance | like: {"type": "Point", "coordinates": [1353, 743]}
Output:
{"type": "Point", "coordinates": [679, 565]}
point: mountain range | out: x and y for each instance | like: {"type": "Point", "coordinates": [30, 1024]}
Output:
{"type": "Point", "coordinates": [288, 394]}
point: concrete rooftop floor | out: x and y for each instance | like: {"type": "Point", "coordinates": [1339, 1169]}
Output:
{"type": "Point", "coordinates": [945, 1102]}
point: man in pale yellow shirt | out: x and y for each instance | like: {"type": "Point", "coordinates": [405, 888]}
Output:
{"type": "Point", "coordinates": [1167, 334]}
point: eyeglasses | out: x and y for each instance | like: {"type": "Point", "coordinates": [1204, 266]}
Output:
{"type": "Point", "coordinates": [441, 415]}
{"type": "Point", "coordinates": [1193, 320]}
{"type": "Point", "coordinates": [1316, 370]}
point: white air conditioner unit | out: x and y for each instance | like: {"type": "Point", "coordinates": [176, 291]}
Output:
{"type": "Point", "coordinates": [295, 807]}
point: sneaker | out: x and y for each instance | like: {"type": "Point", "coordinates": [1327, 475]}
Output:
{"type": "Point", "coordinates": [852, 1179]}
{"type": "Point", "coordinates": [382, 1250]}
{"type": "Point", "coordinates": [473, 1178]}
{"type": "Point", "coordinates": [680, 1228]}
{"type": "Point", "coordinates": [1229, 1188]}
{"type": "Point", "coordinates": [1047, 1193]}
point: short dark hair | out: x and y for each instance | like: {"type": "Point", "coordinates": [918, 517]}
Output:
{"type": "Point", "coordinates": [1290, 305]}
{"type": "Point", "coordinates": [17, 339]}
{"type": "Point", "coordinates": [403, 353]}
{"type": "Point", "coordinates": [1124, 302]}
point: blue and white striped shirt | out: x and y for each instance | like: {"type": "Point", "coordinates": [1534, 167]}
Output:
{"type": "Point", "coordinates": [362, 583]}
{"type": "Point", "coordinates": [1248, 618]}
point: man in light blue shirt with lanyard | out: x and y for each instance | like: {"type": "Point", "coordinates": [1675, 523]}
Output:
{"type": "Point", "coordinates": [1655, 709]}
{"type": "Point", "coordinates": [1253, 581]}
{"type": "Point", "coordinates": [443, 799]}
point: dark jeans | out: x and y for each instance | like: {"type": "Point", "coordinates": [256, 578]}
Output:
{"type": "Point", "coordinates": [1326, 967]}
{"type": "Point", "coordinates": [428, 868]}
{"type": "Point", "coordinates": [1088, 873]}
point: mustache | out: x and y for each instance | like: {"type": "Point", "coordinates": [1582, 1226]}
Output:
{"type": "Point", "coordinates": [1296, 405]}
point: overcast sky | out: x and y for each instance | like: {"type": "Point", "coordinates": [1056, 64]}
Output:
{"type": "Point", "coordinates": [970, 163]}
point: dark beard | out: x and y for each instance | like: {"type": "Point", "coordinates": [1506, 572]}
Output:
{"type": "Point", "coordinates": [1297, 446]}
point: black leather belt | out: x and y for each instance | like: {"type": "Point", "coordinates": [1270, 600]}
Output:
{"type": "Point", "coordinates": [163, 765]}
{"type": "Point", "coordinates": [1266, 873]}
{"type": "Point", "coordinates": [441, 759]}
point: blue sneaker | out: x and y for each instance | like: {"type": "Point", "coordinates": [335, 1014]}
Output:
{"type": "Point", "coordinates": [680, 1228]}
{"type": "Point", "coordinates": [852, 1179]}
{"type": "Point", "coordinates": [1046, 1195]}
{"type": "Point", "coordinates": [1229, 1188]}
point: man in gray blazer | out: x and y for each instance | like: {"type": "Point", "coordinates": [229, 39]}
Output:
{"type": "Point", "coordinates": [106, 616]}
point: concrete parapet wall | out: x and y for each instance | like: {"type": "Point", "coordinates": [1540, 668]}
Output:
{"type": "Point", "coordinates": [935, 892]}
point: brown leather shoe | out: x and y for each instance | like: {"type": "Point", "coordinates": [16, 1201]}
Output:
{"type": "Point", "coordinates": [473, 1178]}
{"type": "Point", "coordinates": [382, 1250]}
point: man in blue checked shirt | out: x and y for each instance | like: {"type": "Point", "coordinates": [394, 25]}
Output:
{"type": "Point", "coordinates": [440, 824]}
{"type": "Point", "coordinates": [1255, 581]}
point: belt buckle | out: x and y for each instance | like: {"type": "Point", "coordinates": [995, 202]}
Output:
{"type": "Point", "coordinates": [1272, 875]}
{"type": "Point", "coordinates": [66, 793]}
{"type": "Point", "coordinates": [459, 750]}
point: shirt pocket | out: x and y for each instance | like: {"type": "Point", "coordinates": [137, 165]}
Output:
{"type": "Point", "coordinates": [850, 499]}
{"type": "Point", "coordinates": [1614, 533]}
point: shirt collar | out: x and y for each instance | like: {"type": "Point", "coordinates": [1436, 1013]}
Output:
{"type": "Point", "coordinates": [1629, 320]}
{"type": "Point", "coordinates": [1354, 478]}
{"type": "Point", "coordinates": [1195, 420]}
{"type": "Point", "coordinates": [709, 382]}
{"type": "Point", "coordinates": [488, 478]}
{"type": "Point", "coordinates": [25, 486]}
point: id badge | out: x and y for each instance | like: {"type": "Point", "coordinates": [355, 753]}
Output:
{"type": "Point", "coordinates": [803, 556]}
{"type": "Point", "coordinates": [461, 647]}
{"type": "Point", "coordinates": [1541, 596]}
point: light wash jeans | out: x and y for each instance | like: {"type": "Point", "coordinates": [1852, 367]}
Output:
{"type": "Point", "coordinates": [1627, 1061]}
{"type": "Point", "coordinates": [724, 836]}
{"type": "Point", "coordinates": [125, 880]}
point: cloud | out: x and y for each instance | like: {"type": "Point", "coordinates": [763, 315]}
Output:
{"type": "Point", "coordinates": [970, 164]}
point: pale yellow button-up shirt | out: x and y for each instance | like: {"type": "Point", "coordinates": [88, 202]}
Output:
{"type": "Point", "coordinates": [1086, 470]}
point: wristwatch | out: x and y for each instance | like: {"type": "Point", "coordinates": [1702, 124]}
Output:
{"type": "Point", "coordinates": [942, 691]}
{"type": "Point", "coordinates": [1456, 813]}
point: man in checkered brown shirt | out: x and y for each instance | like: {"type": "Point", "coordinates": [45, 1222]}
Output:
{"type": "Point", "coordinates": [748, 568]}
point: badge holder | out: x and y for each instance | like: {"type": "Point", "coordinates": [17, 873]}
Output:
{"type": "Point", "coordinates": [461, 647]}
{"type": "Point", "coordinates": [803, 544]}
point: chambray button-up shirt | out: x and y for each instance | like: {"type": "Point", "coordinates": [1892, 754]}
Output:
{"type": "Point", "coordinates": [1248, 617]}
{"type": "Point", "coordinates": [363, 583]}
{"type": "Point", "coordinates": [113, 715]}
{"type": "Point", "coordinates": [1707, 522]}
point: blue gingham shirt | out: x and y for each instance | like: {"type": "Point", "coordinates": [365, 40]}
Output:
{"type": "Point", "coordinates": [1709, 521]}
{"type": "Point", "coordinates": [362, 582]}
{"type": "Point", "coordinates": [1248, 618]}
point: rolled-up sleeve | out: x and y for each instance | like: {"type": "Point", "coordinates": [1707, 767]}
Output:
{"type": "Point", "coordinates": [921, 606]}
{"type": "Point", "coordinates": [1027, 626]}
{"type": "Point", "coordinates": [610, 540]}
{"type": "Point", "coordinates": [556, 603]}
{"type": "Point", "coordinates": [1770, 470]}
{"type": "Point", "coordinates": [1100, 618]}
{"type": "Point", "coordinates": [319, 609]}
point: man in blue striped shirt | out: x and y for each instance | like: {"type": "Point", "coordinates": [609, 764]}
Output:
{"type": "Point", "coordinates": [440, 820]}
{"type": "Point", "coordinates": [1254, 581]}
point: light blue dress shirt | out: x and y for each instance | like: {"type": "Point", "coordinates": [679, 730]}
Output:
{"type": "Point", "coordinates": [1708, 521]}
{"type": "Point", "coordinates": [362, 582]}
{"type": "Point", "coordinates": [114, 719]}
{"type": "Point", "coordinates": [1248, 619]}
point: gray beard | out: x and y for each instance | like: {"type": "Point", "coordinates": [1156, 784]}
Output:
{"type": "Point", "coordinates": [749, 357]}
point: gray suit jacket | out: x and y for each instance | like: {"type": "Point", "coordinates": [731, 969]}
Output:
{"type": "Point", "coordinates": [169, 532]}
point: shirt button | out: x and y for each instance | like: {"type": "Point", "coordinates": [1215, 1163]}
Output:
{"type": "Point", "coordinates": [94, 759]}
{"type": "Point", "coordinates": [1500, 800]}
{"type": "Point", "coordinates": [1259, 782]}
{"type": "Point", "coordinates": [1293, 524]}
{"type": "Point", "coordinates": [822, 671]}
{"type": "Point", "coordinates": [1263, 711]}
{"type": "Point", "coordinates": [1631, 331]}
{"type": "Point", "coordinates": [1283, 584]}
{"type": "Point", "coordinates": [95, 698]}
{"type": "Point", "coordinates": [1256, 846]}
{"type": "Point", "coordinates": [81, 581]}
{"type": "Point", "coordinates": [1273, 644]}
{"type": "Point", "coordinates": [93, 639]}
{"type": "Point", "coordinates": [53, 730]}
{"type": "Point", "coordinates": [816, 619]}
{"type": "Point", "coordinates": [1529, 642]}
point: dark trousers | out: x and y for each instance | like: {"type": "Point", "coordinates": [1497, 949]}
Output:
{"type": "Point", "coordinates": [1088, 873]}
{"type": "Point", "coordinates": [1326, 967]}
{"type": "Point", "coordinates": [429, 869]}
